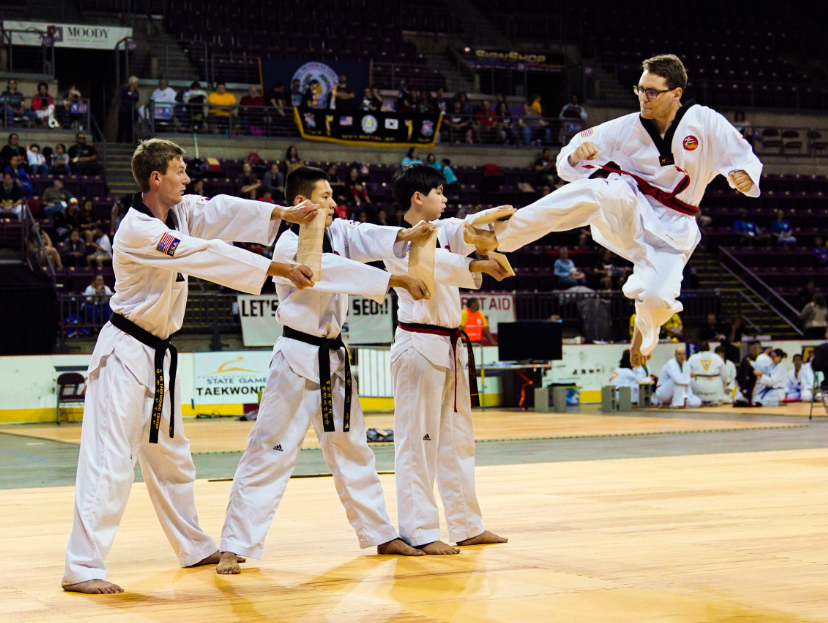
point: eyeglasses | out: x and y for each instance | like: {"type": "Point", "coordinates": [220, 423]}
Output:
{"type": "Point", "coordinates": [650, 93]}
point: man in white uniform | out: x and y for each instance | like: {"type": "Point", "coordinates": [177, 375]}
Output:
{"type": "Point", "coordinates": [730, 373]}
{"type": "Point", "coordinates": [674, 383]}
{"type": "Point", "coordinates": [163, 238]}
{"type": "Point", "coordinates": [709, 376]}
{"type": "Point", "coordinates": [310, 383]}
{"type": "Point", "coordinates": [800, 385]}
{"type": "Point", "coordinates": [645, 210]}
{"type": "Point", "coordinates": [433, 430]}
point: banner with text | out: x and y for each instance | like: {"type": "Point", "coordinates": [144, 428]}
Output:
{"type": "Point", "coordinates": [67, 35]}
{"type": "Point", "coordinates": [369, 322]}
{"type": "Point", "coordinates": [496, 307]}
{"type": "Point", "coordinates": [230, 378]}
{"type": "Point", "coordinates": [258, 319]}
{"type": "Point", "coordinates": [356, 127]}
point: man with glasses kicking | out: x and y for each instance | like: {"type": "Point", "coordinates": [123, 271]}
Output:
{"type": "Point", "coordinates": [661, 162]}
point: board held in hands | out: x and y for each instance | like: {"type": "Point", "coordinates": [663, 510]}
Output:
{"type": "Point", "coordinates": [494, 214]}
{"type": "Point", "coordinates": [421, 260]}
{"type": "Point", "coordinates": [503, 261]}
{"type": "Point", "coordinates": [309, 251]}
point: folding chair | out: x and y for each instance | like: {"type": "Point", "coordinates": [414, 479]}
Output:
{"type": "Point", "coordinates": [66, 380]}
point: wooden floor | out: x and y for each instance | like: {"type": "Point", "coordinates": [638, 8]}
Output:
{"type": "Point", "coordinates": [798, 409]}
{"type": "Point", "coordinates": [707, 538]}
{"type": "Point", "coordinates": [228, 435]}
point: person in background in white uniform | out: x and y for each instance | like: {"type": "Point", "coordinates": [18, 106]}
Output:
{"type": "Point", "coordinates": [132, 385]}
{"type": "Point", "coordinates": [709, 376]}
{"type": "Point", "coordinates": [770, 387]}
{"type": "Point", "coordinates": [750, 371]}
{"type": "Point", "coordinates": [730, 368]}
{"type": "Point", "coordinates": [433, 398]}
{"type": "Point", "coordinates": [625, 376]}
{"type": "Point", "coordinates": [644, 211]}
{"type": "Point", "coordinates": [800, 385]}
{"type": "Point", "coordinates": [310, 383]}
{"type": "Point", "coordinates": [674, 383]}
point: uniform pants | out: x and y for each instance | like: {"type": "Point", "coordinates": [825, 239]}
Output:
{"type": "Point", "coordinates": [614, 212]}
{"type": "Point", "coordinates": [708, 388]}
{"type": "Point", "coordinates": [806, 395]}
{"type": "Point", "coordinates": [290, 404]}
{"type": "Point", "coordinates": [115, 433]}
{"type": "Point", "coordinates": [433, 441]}
{"type": "Point", "coordinates": [677, 396]}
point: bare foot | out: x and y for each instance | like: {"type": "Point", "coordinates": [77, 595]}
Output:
{"type": "Point", "coordinates": [398, 547]}
{"type": "Point", "coordinates": [484, 538]}
{"type": "Point", "coordinates": [229, 564]}
{"type": "Point", "coordinates": [438, 548]}
{"type": "Point", "coordinates": [94, 587]}
{"type": "Point", "coordinates": [637, 358]}
{"type": "Point", "coordinates": [214, 559]}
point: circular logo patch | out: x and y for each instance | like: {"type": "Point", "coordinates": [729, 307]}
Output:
{"type": "Point", "coordinates": [323, 78]}
{"type": "Point", "coordinates": [369, 124]}
{"type": "Point", "coordinates": [690, 142]}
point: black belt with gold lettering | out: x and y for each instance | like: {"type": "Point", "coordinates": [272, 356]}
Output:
{"type": "Point", "coordinates": [325, 345]}
{"type": "Point", "coordinates": [161, 347]}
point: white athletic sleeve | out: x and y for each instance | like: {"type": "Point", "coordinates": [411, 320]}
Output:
{"type": "Point", "coordinates": [731, 152]}
{"type": "Point", "coordinates": [450, 269]}
{"type": "Point", "coordinates": [153, 244]}
{"type": "Point", "coordinates": [230, 219]}
{"type": "Point", "coordinates": [603, 137]}
{"type": "Point", "coordinates": [365, 242]}
{"type": "Point", "coordinates": [452, 230]}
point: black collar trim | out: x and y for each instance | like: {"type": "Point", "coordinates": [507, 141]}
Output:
{"type": "Point", "coordinates": [665, 145]}
{"type": "Point", "coordinates": [139, 206]}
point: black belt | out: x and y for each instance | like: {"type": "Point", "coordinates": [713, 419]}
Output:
{"type": "Point", "coordinates": [327, 344]}
{"type": "Point", "coordinates": [455, 335]}
{"type": "Point", "coordinates": [161, 347]}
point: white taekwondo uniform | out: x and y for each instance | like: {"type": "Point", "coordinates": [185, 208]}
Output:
{"type": "Point", "coordinates": [658, 240]}
{"type": "Point", "coordinates": [152, 260]}
{"type": "Point", "coordinates": [762, 365]}
{"type": "Point", "coordinates": [291, 401]}
{"type": "Point", "coordinates": [674, 386]}
{"type": "Point", "coordinates": [730, 383]}
{"type": "Point", "coordinates": [433, 428]}
{"type": "Point", "coordinates": [626, 377]}
{"type": "Point", "coordinates": [801, 386]}
{"type": "Point", "coordinates": [710, 381]}
{"type": "Point", "coordinates": [770, 388]}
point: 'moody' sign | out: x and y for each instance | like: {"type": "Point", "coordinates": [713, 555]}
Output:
{"type": "Point", "coordinates": [67, 35]}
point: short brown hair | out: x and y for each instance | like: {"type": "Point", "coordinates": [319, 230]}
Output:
{"type": "Point", "coordinates": [152, 155]}
{"type": "Point", "coordinates": [669, 67]}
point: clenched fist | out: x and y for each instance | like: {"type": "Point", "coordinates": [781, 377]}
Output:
{"type": "Point", "coordinates": [490, 267]}
{"type": "Point", "coordinates": [741, 181]}
{"type": "Point", "coordinates": [299, 275]}
{"type": "Point", "coordinates": [587, 151]}
{"type": "Point", "coordinates": [419, 233]}
{"type": "Point", "coordinates": [483, 239]}
{"type": "Point", "coordinates": [302, 213]}
{"type": "Point", "coordinates": [416, 288]}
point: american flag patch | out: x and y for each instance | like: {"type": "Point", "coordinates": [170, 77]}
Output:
{"type": "Point", "coordinates": [587, 133]}
{"type": "Point", "coordinates": [168, 244]}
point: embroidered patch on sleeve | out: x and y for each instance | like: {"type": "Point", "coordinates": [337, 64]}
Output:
{"type": "Point", "coordinates": [587, 133]}
{"type": "Point", "coordinates": [168, 244]}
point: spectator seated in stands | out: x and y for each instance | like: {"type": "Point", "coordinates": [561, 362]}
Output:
{"type": "Point", "coordinates": [814, 317]}
{"type": "Point", "coordinates": [36, 160]}
{"type": "Point", "coordinates": [163, 101]}
{"type": "Point", "coordinates": [275, 98]}
{"type": "Point", "coordinates": [222, 106]}
{"type": "Point", "coordinates": [566, 272]}
{"type": "Point", "coordinates": [713, 331]}
{"type": "Point", "coordinates": [821, 250]}
{"type": "Point", "coordinates": [292, 160]}
{"type": "Point", "coordinates": [485, 122]}
{"type": "Point", "coordinates": [14, 102]}
{"type": "Point", "coordinates": [83, 157]}
{"type": "Point", "coordinates": [314, 96]}
{"type": "Point", "coordinates": [60, 161]}
{"type": "Point", "coordinates": [247, 184]}
{"type": "Point", "coordinates": [101, 248]}
{"type": "Point", "coordinates": [440, 103]}
{"type": "Point", "coordinates": [747, 230]}
{"type": "Point", "coordinates": [782, 231]}
{"type": "Point", "coordinates": [21, 178]}
{"type": "Point", "coordinates": [87, 220]}
{"type": "Point", "coordinates": [68, 109]}
{"type": "Point", "coordinates": [56, 198]}
{"type": "Point", "coordinates": [193, 112]}
{"type": "Point", "coordinates": [11, 197]}
{"type": "Point", "coordinates": [533, 127]}
{"type": "Point", "coordinates": [573, 116]}
{"type": "Point", "coordinates": [11, 149]}
{"type": "Point", "coordinates": [119, 210]}
{"type": "Point", "coordinates": [97, 295]}
{"type": "Point", "coordinates": [355, 187]}
{"type": "Point", "coordinates": [50, 250]}
{"type": "Point", "coordinates": [43, 107]}
{"type": "Point", "coordinates": [411, 157]}
{"type": "Point", "coordinates": [274, 181]}
{"type": "Point", "coordinates": [458, 127]}
{"type": "Point", "coordinates": [199, 187]}
{"type": "Point", "coordinates": [128, 111]}
{"type": "Point", "coordinates": [369, 104]}
{"type": "Point", "coordinates": [547, 172]}
{"type": "Point", "coordinates": [673, 329]}
{"type": "Point", "coordinates": [403, 104]}
{"type": "Point", "coordinates": [337, 185]}
{"type": "Point", "coordinates": [252, 110]}
{"type": "Point", "coordinates": [382, 218]}
{"type": "Point", "coordinates": [68, 219]}
{"type": "Point", "coordinates": [74, 250]}
{"type": "Point", "coordinates": [505, 124]}
{"type": "Point", "coordinates": [343, 97]}
{"type": "Point", "coordinates": [741, 123]}
{"type": "Point", "coordinates": [362, 217]}
{"type": "Point", "coordinates": [296, 94]}
{"type": "Point", "coordinates": [267, 196]}
{"type": "Point", "coordinates": [607, 271]}
{"type": "Point", "coordinates": [452, 187]}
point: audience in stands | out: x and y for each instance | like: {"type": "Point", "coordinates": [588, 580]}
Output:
{"type": "Point", "coordinates": [486, 123]}
{"type": "Point", "coordinates": [274, 181]}
{"type": "Point", "coordinates": [60, 161]}
{"type": "Point", "coordinates": [713, 331]}
{"type": "Point", "coordinates": [806, 294]}
{"type": "Point", "coordinates": [247, 184]}
{"type": "Point", "coordinates": [535, 104]}
{"type": "Point", "coordinates": [411, 157]}
{"type": "Point", "coordinates": [83, 157]}
{"type": "Point", "coordinates": [36, 160]}
{"type": "Point", "coordinates": [252, 112]}
{"type": "Point", "coordinates": [737, 329]}
{"type": "Point", "coordinates": [128, 111]}
{"type": "Point", "coordinates": [55, 198]}
{"type": "Point", "coordinates": [69, 109]}
{"type": "Point", "coordinates": [101, 248]}
{"type": "Point", "coordinates": [545, 168]}
{"type": "Point", "coordinates": [11, 149]}
{"type": "Point", "coordinates": [565, 270]}
{"type": "Point", "coordinates": [337, 184]}
{"type": "Point", "coordinates": [222, 106]}
{"type": "Point", "coordinates": [275, 98]}
{"type": "Point", "coordinates": [452, 187]}
{"type": "Point", "coordinates": [505, 123]}
{"type": "Point", "coordinates": [369, 104]}
{"type": "Point", "coordinates": [43, 106]}
{"type": "Point", "coordinates": [741, 123]}
{"type": "Point", "coordinates": [814, 317]}
{"type": "Point", "coordinates": [343, 97]}
{"type": "Point", "coordinates": [97, 296]}
{"type": "Point", "coordinates": [459, 126]}
{"type": "Point", "coordinates": [14, 103]}
{"type": "Point", "coordinates": [382, 218]}
{"type": "Point", "coordinates": [200, 186]}
{"type": "Point", "coordinates": [820, 250]}
{"type": "Point", "coordinates": [573, 115]}
{"type": "Point", "coordinates": [21, 178]}
{"type": "Point", "coordinates": [193, 114]}
{"type": "Point", "coordinates": [747, 230]}
{"type": "Point", "coordinates": [164, 93]}
{"type": "Point", "coordinates": [87, 220]}
{"type": "Point", "coordinates": [355, 187]}
{"type": "Point", "coordinates": [296, 94]}
{"type": "Point", "coordinates": [292, 160]}
{"type": "Point", "coordinates": [533, 127]}
{"type": "Point", "coordinates": [67, 219]}
{"type": "Point", "coordinates": [74, 250]}
{"type": "Point", "coordinates": [608, 272]}
{"type": "Point", "coordinates": [50, 250]}
{"type": "Point", "coordinates": [673, 329]}
{"type": "Point", "coordinates": [573, 110]}
{"type": "Point", "coordinates": [11, 197]}
{"type": "Point", "coordinates": [781, 230]}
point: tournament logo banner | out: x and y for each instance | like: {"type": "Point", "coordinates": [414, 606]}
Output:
{"type": "Point", "coordinates": [354, 127]}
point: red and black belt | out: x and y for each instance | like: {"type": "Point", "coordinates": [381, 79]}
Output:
{"type": "Point", "coordinates": [665, 198]}
{"type": "Point", "coordinates": [455, 335]}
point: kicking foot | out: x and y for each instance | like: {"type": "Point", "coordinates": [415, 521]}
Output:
{"type": "Point", "coordinates": [398, 547]}
{"type": "Point", "coordinates": [484, 538]}
{"type": "Point", "coordinates": [94, 587]}
{"type": "Point", "coordinates": [214, 559]}
{"type": "Point", "coordinates": [438, 548]}
{"type": "Point", "coordinates": [637, 358]}
{"type": "Point", "coordinates": [229, 564]}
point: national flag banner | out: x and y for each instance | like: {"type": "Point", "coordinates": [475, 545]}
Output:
{"type": "Point", "coordinates": [392, 124]}
{"type": "Point", "coordinates": [346, 121]}
{"type": "Point", "coordinates": [168, 244]}
{"type": "Point", "coordinates": [377, 127]}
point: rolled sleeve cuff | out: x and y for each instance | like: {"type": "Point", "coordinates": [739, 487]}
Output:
{"type": "Point", "coordinates": [256, 277]}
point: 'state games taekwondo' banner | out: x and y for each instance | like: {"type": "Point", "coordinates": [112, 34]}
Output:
{"type": "Point", "coordinates": [286, 70]}
{"type": "Point", "coordinates": [387, 129]}
{"type": "Point", "coordinates": [506, 59]}
{"type": "Point", "coordinates": [88, 36]}
{"type": "Point", "coordinates": [230, 378]}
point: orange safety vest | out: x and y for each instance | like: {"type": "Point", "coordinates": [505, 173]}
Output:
{"type": "Point", "coordinates": [474, 325]}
